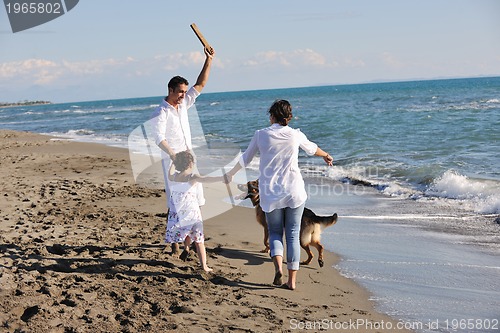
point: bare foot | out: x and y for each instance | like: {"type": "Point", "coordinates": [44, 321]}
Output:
{"type": "Point", "coordinates": [175, 248]}
{"type": "Point", "coordinates": [277, 279]}
{"type": "Point", "coordinates": [286, 286]}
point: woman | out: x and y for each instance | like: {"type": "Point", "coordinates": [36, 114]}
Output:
{"type": "Point", "coordinates": [281, 187]}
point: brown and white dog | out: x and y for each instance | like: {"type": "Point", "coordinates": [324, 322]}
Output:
{"type": "Point", "coordinates": [310, 227]}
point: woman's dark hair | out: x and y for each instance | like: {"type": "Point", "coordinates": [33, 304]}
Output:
{"type": "Point", "coordinates": [281, 110]}
{"type": "Point", "coordinates": [183, 160]}
{"type": "Point", "coordinates": [175, 81]}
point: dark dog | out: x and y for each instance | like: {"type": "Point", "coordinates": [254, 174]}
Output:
{"type": "Point", "coordinates": [310, 227]}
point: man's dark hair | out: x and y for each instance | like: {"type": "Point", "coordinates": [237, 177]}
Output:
{"type": "Point", "coordinates": [281, 110]}
{"type": "Point", "coordinates": [175, 81]}
{"type": "Point", "coordinates": [182, 160]}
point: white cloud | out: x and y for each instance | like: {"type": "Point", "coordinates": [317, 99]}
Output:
{"type": "Point", "coordinates": [174, 61]}
{"type": "Point", "coordinates": [52, 73]}
{"type": "Point", "coordinates": [353, 63]}
{"type": "Point", "coordinates": [95, 66]}
{"type": "Point", "coordinates": [45, 72]}
{"type": "Point", "coordinates": [39, 71]}
{"type": "Point", "coordinates": [296, 58]}
{"type": "Point", "coordinates": [391, 60]}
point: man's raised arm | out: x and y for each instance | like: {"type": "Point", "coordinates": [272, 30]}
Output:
{"type": "Point", "coordinates": [205, 71]}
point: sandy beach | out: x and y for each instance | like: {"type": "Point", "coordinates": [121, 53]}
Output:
{"type": "Point", "coordinates": [81, 250]}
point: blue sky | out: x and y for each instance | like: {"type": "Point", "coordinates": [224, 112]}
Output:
{"type": "Point", "coordinates": [129, 48]}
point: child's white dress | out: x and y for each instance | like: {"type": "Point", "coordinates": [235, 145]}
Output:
{"type": "Point", "coordinates": [184, 216]}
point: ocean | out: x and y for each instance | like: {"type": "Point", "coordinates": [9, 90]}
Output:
{"type": "Point", "coordinates": [415, 181]}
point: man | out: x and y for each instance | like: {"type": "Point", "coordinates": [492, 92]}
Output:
{"type": "Point", "coordinates": [170, 122]}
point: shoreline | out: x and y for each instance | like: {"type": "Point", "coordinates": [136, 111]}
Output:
{"type": "Point", "coordinates": [28, 103]}
{"type": "Point", "coordinates": [82, 249]}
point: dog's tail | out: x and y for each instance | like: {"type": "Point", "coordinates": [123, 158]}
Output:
{"type": "Point", "coordinates": [324, 221]}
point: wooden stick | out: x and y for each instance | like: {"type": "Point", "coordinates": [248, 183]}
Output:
{"type": "Point", "coordinates": [200, 36]}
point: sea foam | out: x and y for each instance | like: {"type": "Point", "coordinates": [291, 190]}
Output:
{"type": "Point", "coordinates": [482, 196]}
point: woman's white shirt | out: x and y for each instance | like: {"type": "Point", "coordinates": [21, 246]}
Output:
{"type": "Point", "coordinates": [280, 181]}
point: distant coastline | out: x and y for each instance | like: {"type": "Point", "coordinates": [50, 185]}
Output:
{"type": "Point", "coordinates": [23, 103]}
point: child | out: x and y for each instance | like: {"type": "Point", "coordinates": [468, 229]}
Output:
{"type": "Point", "coordinates": [185, 223]}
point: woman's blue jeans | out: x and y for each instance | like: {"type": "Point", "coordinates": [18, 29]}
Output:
{"type": "Point", "coordinates": [285, 220]}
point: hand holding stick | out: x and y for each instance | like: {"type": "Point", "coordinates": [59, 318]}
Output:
{"type": "Point", "coordinates": [209, 51]}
